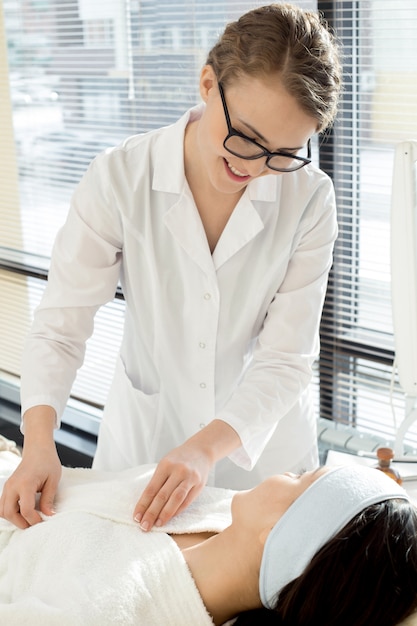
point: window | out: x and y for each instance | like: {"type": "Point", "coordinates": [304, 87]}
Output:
{"type": "Point", "coordinates": [358, 384]}
{"type": "Point", "coordinates": [80, 76]}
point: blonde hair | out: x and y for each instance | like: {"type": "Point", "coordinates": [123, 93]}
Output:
{"type": "Point", "coordinates": [283, 40]}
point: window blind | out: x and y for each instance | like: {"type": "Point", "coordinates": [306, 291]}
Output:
{"type": "Point", "coordinates": [76, 77]}
{"type": "Point", "coordinates": [359, 385]}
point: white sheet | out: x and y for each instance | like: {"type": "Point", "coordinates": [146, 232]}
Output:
{"type": "Point", "coordinates": [96, 578]}
{"type": "Point", "coordinates": [90, 564]}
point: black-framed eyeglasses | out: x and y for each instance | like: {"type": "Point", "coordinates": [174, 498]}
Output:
{"type": "Point", "coordinates": [245, 148]}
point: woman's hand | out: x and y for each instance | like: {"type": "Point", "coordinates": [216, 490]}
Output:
{"type": "Point", "coordinates": [39, 471]}
{"type": "Point", "coordinates": [178, 479]}
{"type": "Point", "coordinates": [182, 474]}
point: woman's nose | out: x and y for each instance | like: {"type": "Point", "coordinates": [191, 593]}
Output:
{"type": "Point", "coordinates": [257, 167]}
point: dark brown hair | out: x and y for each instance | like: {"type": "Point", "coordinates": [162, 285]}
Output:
{"type": "Point", "coordinates": [284, 40]}
{"type": "Point", "coordinates": [365, 576]}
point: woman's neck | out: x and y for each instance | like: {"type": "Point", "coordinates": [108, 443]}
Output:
{"type": "Point", "coordinates": [225, 569]}
{"type": "Point", "coordinates": [214, 207]}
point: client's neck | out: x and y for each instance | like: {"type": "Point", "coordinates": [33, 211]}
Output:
{"type": "Point", "coordinates": [225, 569]}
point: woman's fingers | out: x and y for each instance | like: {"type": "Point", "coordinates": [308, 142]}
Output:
{"type": "Point", "coordinates": [27, 510]}
{"type": "Point", "coordinates": [170, 491]}
{"type": "Point", "coordinates": [18, 500]}
{"type": "Point", "coordinates": [46, 501]}
{"type": "Point", "coordinates": [158, 507]}
{"type": "Point", "coordinates": [18, 507]}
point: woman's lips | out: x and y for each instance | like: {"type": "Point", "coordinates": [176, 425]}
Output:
{"type": "Point", "coordinates": [234, 173]}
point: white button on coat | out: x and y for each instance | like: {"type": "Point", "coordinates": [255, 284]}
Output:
{"type": "Point", "coordinates": [257, 300]}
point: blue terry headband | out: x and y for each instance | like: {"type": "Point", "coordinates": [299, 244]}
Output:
{"type": "Point", "coordinates": [314, 518]}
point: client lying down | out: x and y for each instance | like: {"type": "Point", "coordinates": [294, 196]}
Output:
{"type": "Point", "coordinates": [334, 546]}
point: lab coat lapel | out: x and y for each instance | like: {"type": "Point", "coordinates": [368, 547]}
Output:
{"type": "Point", "coordinates": [184, 223]}
{"type": "Point", "coordinates": [243, 225]}
{"type": "Point", "coordinates": [246, 222]}
{"type": "Point", "coordinates": [182, 218]}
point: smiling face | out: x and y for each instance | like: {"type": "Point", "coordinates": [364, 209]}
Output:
{"type": "Point", "coordinates": [262, 506]}
{"type": "Point", "coordinates": [261, 109]}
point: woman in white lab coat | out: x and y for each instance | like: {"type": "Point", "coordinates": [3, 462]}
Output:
{"type": "Point", "coordinates": [220, 231]}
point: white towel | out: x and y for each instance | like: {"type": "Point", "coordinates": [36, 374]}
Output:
{"type": "Point", "coordinates": [8, 444]}
{"type": "Point", "coordinates": [91, 565]}
{"type": "Point", "coordinates": [113, 495]}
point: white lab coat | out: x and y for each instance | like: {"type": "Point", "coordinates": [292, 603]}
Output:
{"type": "Point", "coordinates": [229, 335]}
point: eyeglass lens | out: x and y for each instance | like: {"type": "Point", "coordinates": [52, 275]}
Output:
{"type": "Point", "coordinates": [246, 149]}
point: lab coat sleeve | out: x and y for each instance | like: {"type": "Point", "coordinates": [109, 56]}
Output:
{"type": "Point", "coordinates": [83, 275]}
{"type": "Point", "coordinates": [288, 344]}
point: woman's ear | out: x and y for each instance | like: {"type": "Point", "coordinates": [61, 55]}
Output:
{"type": "Point", "coordinates": [207, 81]}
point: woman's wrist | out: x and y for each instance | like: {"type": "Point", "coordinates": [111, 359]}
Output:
{"type": "Point", "coordinates": [38, 425]}
{"type": "Point", "coordinates": [216, 440]}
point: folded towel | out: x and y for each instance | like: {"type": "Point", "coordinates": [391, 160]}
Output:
{"type": "Point", "coordinates": [90, 564]}
{"type": "Point", "coordinates": [113, 495]}
{"type": "Point", "coordinates": [8, 444]}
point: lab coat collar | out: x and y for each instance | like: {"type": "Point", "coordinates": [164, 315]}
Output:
{"type": "Point", "coordinates": [169, 163]}
{"type": "Point", "coordinates": [182, 218]}
{"type": "Point", "coordinates": [185, 224]}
